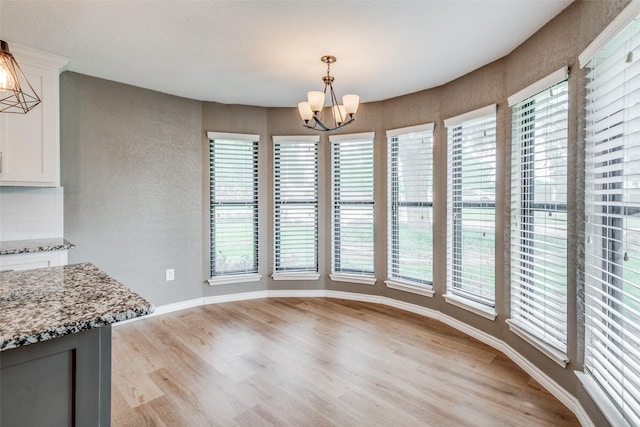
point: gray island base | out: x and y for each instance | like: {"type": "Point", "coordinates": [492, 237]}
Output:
{"type": "Point", "coordinates": [55, 342]}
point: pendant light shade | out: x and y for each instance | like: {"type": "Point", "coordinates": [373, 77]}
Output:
{"type": "Point", "coordinates": [316, 100]}
{"type": "Point", "coordinates": [304, 108]}
{"type": "Point", "coordinates": [16, 93]}
{"type": "Point", "coordinates": [351, 103]}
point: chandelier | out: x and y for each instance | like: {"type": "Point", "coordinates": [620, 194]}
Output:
{"type": "Point", "coordinates": [342, 114]}
{"type": "Point", "coordinates": [16, 93]}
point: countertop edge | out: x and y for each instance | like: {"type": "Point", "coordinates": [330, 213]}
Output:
{"type": "Point", "coordinates": [35, 246]}
{"type": "Point", "coordinates": [36, 337]}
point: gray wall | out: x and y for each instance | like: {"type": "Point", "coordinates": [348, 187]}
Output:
{"type": "Point", "coordinates": [131, 164]}
{"type": "Point", "coordinates": [135, 168]}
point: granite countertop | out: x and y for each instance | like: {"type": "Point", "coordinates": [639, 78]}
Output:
{"type": "Point", "coordinates": [36, 245]}
{"type": "Point", "coordinates": [46, 303]}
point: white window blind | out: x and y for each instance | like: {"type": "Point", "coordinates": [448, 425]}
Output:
{"type": "Point", "coordinates": [233, 166]}
{"type": "Point", "coordinates": [539, 215]}
{"type": "Point", "coordinates": [471, 188]}
{"type": "Point", "coordinates": [295, 166]}
{"type": "Point", "coordinates": [410, 206]}
{"type": "Point", "coordinates": [352, 194]}
{"type": "Point", "coordinates": [612, 221]}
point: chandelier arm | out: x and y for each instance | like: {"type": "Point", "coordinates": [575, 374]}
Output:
{"type": "Point", "coordinates": [334, 103]}
{"type": "Point", "coordinates": [325, 128]}
{"type": "Point", "coordinates": [319, 122]}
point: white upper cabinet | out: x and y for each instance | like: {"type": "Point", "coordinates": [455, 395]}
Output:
{"type": "Point", "coordinates": [30, 143]}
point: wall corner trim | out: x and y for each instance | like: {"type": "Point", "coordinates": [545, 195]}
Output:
{"type": "Point", "coordinates": [567, 399]}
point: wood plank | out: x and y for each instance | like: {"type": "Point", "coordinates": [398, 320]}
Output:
{"type": "Point", "coordinates": [316, 361]}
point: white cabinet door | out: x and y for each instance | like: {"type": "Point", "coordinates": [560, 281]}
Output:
{"type": "Point", "coordinates": [30, 143]}
{"type": "Point", "coordinates": [32, 260]}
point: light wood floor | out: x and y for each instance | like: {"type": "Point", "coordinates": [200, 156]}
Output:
{"type": "Point", "coordinates": [316, 362]}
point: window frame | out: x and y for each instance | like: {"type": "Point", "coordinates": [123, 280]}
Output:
{"type": "Point", "coordinates": [455, 294]}
{"type": "Point", "coordinates": [223, 277]}
{"type": "Point", "coordinates": [524, 208]}
{"type": "Point", "coordinates": [395, 279]}
{"type": "Point", "coordinates": [337, 273]}
{"type": "Point", "coordinates": [605, 145]}
{"type": "Point", "coordinates": [302, 273]}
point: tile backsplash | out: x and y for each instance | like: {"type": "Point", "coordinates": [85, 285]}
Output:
{"type": "Point", "coordinates": [31, 213]}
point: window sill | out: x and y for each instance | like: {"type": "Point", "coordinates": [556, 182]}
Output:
{"type": "Point", "coordinates": [548, 350]}
{"type": "Point", "coordinates": [352, 278]}
{"type": "Point", "coordinates": [409, 287]}
{"type": "Point", "coordinates": [234, 278]}
{"type": "Point", "coordinates": [601, 399]}
{"type": "Point", "coordinates": [308, 275]}
{"type": "Point", "coordinates": [474, 307]}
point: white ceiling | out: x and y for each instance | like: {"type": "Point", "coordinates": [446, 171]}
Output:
{"type": "Point", "coordinates": [267, 52]}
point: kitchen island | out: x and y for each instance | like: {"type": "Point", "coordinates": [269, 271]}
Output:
{"type": "Point", "coordinates": [55, 344]}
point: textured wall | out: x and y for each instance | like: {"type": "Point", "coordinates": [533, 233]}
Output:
{"type": "Point", "coordinates": [132, 172]}
{"type": "Point", "coordinates": [135, 168]}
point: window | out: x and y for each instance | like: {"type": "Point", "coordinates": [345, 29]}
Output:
{"type": "Point", "coordinates": [471, 191]}
{"type": "Point", "coordinates": [410, 207]}
{"type": "Point", "coordinates": [612, 224]}
{"type": "Point", "coordinates": [295, 166]}
{"type": "Point", "coordinates": [233, 164]}
{"type": "Point", "coordinates": [352, 191]}
{"type": "Point", "coordinates": [539, 215]}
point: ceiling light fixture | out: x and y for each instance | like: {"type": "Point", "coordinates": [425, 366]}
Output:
{"type": "Point", "coordinates": [16, 93]}
{"type": "Point", "coordinates": [311, 110]}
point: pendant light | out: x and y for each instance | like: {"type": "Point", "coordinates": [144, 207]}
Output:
{"type": "Point", "coordinates": [311, 111]}
{"type": "Point", "coordinates": [16, 93]}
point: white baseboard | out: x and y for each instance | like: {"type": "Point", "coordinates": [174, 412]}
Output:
{"type": "Point", "coordinates": [546, 381]}
{"type": "Point", "coordinates": [182, 305]}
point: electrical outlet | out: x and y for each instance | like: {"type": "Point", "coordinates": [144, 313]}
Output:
{"type": "Point", "coordinates": [170, 274]}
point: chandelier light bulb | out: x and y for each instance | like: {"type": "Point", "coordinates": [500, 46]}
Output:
{"type": "Point", "coordinates": [6, 80]}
